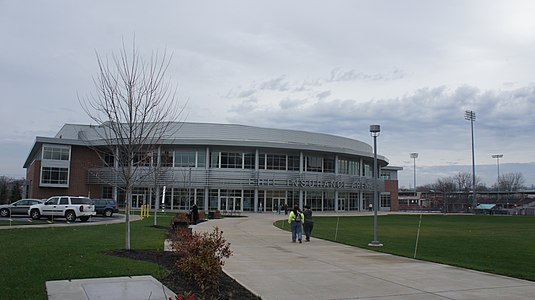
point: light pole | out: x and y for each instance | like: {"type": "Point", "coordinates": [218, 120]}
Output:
{"type": "Point", "coordinates": [414, 156]}
{"type": "Point", "coordinates": [471, 116]}
{"type": "Point", "coordinates": [498, 156]}
{"type": "Point", "coordinates": [374, 132]}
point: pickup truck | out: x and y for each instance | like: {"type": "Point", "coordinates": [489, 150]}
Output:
{"type": "Point", "coordinates": [67, 207]}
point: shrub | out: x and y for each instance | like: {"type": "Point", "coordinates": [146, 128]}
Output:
{"type": "Point", "coordinates": [201, 256]}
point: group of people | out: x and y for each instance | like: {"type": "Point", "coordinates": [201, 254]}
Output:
{"type": "Point", "coordinates": [301, 221]}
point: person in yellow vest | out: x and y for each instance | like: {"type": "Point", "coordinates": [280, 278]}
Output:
{"type": "Point", "coordinates": [295, 219]}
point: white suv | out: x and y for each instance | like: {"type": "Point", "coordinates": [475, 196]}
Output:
{"type": "Point", "coordinates": [67, 207]}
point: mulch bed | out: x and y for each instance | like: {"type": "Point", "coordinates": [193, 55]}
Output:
{"type": "Point", "coordinates": [178, 283]}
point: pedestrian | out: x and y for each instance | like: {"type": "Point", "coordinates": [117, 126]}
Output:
{"type": "Point", "coordinates": [195, 214]}
{"type": "Point", "coordinates": [260, 208]}
{"type": "Point", "coordinates": [285, 207]}
{"type": "Point", "coordinates": [295, 219]}
{"type": "Point", "coordinates": [308, 223]}
{"type": "Point", "coordinates": [370, 207]}
{"type": "Point", "coordinates": [279, 209]}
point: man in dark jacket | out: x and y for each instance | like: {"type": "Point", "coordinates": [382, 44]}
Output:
{"type": "Point", "coordinates": [308, 224]}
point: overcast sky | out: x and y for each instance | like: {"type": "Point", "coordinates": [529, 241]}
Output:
{"type": "Point", "coordinates": [335, 67]}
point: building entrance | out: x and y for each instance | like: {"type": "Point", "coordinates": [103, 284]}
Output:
{"type": "Point", "coordinates": [342, 204]}
{"type": "Point", "coordinates": [276, 203]}
{"type": "Point", "coordinates": [231, 203]}
{"type": "Point", "coordinates": [137, 200]}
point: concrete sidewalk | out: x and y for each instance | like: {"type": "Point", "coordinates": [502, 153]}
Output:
{"type": "Point", "coordinates": [270, 265]}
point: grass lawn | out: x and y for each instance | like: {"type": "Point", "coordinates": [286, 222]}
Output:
{"type": "Point", "coordinates": [31, 256]}
{"type": "Point", "coordinates": [496, 244]}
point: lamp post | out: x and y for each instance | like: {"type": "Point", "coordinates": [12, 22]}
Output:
{"type": "Point", "coordinates": [471, 116]}
{"type": "Point", "coordinates": [374, 132]}
{"type": "Point", "coordinates": [498, 156]}
{"type": "Point", "coordinates": [414, 156]}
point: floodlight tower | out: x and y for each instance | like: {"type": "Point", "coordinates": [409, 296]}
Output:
{"type": "Point", "coordinates": [414, 156]}
{"type": "Point", "coordinates": [498, 156]}
{"type": "Point", "coordinates": [471, 116]}
{"type": "Point", "coordinates": [374, 132]}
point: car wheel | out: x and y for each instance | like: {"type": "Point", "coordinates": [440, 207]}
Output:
{"type": "Point", "coordinates": [4, 212]}
{"type": "Point", "coordinates": [70, 216]}
{"type": "Point", "coordinates": [84, 218]}
{"type": "Point", "coordinates": [35, 214]}
{"type": "Point", "coordinates": [108, 213]}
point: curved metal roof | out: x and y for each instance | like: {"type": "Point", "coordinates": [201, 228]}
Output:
{"type": "Point", "coordinates": [212, 134]}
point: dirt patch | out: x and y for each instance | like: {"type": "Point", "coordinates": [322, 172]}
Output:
{"type": "Point", "coordinates": [178, 283]}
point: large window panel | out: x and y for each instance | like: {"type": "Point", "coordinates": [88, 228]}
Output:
{"type": "Point", "coordinates": [276, 162]}
{"type": "Point", "coordinates": [55, 176]}
{"type": "Point", "coordinates": [185, 158]}
{"type": "Point", "coordinates": [328, 165]}
{"type": "Point", "coordinates": [231, 160]}
{"type": "Point", "coordinates": [314, 163]}
{"type": "Point", "coordinates": [56, 153]}
{"type": "Point", "coordinates": [293, 162]}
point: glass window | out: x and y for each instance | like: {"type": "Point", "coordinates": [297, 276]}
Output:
{"type": "Point", "coordinates": [231, 160]}
{"type": "Point", "coordinates": [328, 165]}
{"type": "Point", "coordinates": [262, 161]}
{"type": "Point", "coordinates": [349, 167]}
{"type": "Point", "coordinates": [248, 160]}
{"type": "Point", "coordinates": [142, 159]}
{"type": "Point", "coordinates": [64, 201]}
{"type": "Point", "coordinates": [201, 160]}
{"type": "Point", "coordinates": [107, 192]}
{"type": "Point", "coordinates": [185, 158]}
{"type": "Point", "coordinates": [109, 159]}
{"type": "Point", "coordinates": [314, 163]}
{"type": "Point", "coordinates": [52, 201]}
{"type": "Point", "coordinates": [293, 162]}
{"type": "Point", "coordinates": [56, 153]}
{"type": "Point", "coordinates": [276, 162]}
{"type": "Point", "coordinates": [385, 199]}
{"type": "Point", "coordinates": [51, 175]}
{"type": "Point", "coordinates": [214, 159]}
{"type": "Point", "coordinates": [313, 199]}
{"type": "Point", "coordinates": [166, 159]}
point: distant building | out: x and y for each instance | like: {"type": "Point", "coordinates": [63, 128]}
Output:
{"type": "Point", "coordinates": [219, 167]}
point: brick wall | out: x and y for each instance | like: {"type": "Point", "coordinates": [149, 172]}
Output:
{"type": "Point", "coordinates": [392, 187]}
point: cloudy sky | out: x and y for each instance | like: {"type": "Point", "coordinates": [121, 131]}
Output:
{"type": "Point", "coordinates": [336, 67]}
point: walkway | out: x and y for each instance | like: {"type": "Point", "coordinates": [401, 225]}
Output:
{"type": "Point", "coordinates": [266, 262]}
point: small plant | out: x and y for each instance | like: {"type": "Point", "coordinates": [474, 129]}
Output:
{"type": "Point", "coordinates": [185, 296]}
{"type": "Point", "coordinates": [201, 256]}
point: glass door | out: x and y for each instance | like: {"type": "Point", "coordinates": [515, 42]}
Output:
{"type": "Point", "coordinates": [277, 203]}
{"type": "Point", "coordinates": [342, 204]}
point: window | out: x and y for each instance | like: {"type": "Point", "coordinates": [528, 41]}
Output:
{"type": "Point", "coordinates": [214, 159]}
{"type": "Point", "coordinates": [276, 162]}
{"type": "Point", "coordinates": [58, 176]}
{"type": "Point", "coordinates": [201, 160]}
{"type": "Point", "coordinates": [56, 153]}
{"type": "Point", "coordinates": [293, 162]}
{"type": "Point", "coordinates": [185, 158]}
{"type": "Point", "coordinates": [262, 161]}
{"type": "Point", "coordinates": [142, 159]}
{"type": "Point", "coordinates": [349, 167]}
{"type": "Point", "coordinates": [248, 160]}
{"type": "Point", "coordinates": [231, 160]}
{"type": "Point", "coordinates": [64, 201]}
{"type": "Point", "coordinates": [328, 165]}
{"type": "Point", "coordinates": [385, 199]}
{"type": "Point", "coordinates": [314, 163]}
{"type": "Point", "coordinates": [107, 192]}
{"type": "Point", "coordinates": [109, 159]}
{"type": "Point", "coordinates": [166, 159]}
{"type": "Point", "coordinates": [53, 201]}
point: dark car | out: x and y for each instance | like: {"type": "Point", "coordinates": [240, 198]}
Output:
{"type": "Point", "coordinates": [105, 207]}
{"type": "Point", "coordinates": [18, 207]}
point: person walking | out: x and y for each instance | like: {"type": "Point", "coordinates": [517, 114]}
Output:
{"type": "Point", "coordinates": [194, 214]}
{"type": "Point", "coordinates": [295, 219]}
{"type": "Point", "coordinates": [308, 223]}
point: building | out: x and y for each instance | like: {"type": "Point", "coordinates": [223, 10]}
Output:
{"type": "Point", "coordinates": [218, 167]}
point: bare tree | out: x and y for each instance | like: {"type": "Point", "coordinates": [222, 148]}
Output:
{"type": "Point", "coordinates": [511, 181]}
{"type": "Point", "coordinates": [135, 108]}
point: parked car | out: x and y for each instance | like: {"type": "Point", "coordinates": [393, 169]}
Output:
{"type": "Point", "coordinates": [67, 207]}
{"type": "Point", "coordinates": [105, 207]}
{"type": "Point", "coordinates": [18, 207]}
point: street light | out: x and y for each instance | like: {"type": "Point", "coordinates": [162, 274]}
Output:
{"type": "Point", "coordinates": [498, 156]}
{"type": "Point", "coordinates": [374, 132]}
{"type": "Point", "coordinates": [414, 156]}
{"type": "Point", "coordinates": [471, 116]}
